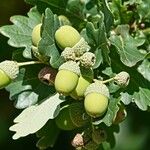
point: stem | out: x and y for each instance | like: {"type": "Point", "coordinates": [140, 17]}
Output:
{"type": "Point", "coordinates": [29, 63]}
{"type": "Point", "coordinates": [105, 81]}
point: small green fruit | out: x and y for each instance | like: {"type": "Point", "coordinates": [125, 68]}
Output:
{"type": "Point", "coordinates": [4, 79]}
{"type": "Point", "coordinates": [96, 99]}
{"type": "Point", "coordinates": [95, 104]}
{"type": "Point", "coordinates": [85, 80]}
{"type": "Point", "coordinates": [8, 71]}
{"type": "Point", "coordinates": [67, 77]}
{"type": "Point", "coordinates": [36, 35]}
{"type": "Point", "coordinates": [83, 83]}
{"type": "Point", "coordinates": [63, 120]}
{"type": "Point", "coordinates": [64, 20]}
{"type": "Point", "coordinates": [67, 36]}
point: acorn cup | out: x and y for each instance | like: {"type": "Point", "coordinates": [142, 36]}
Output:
{"type": "Point", "coordinates": [122, 79]}
{"type": "Point", "coordinates": [88, 60]}
{"type": "Point", "coordinates": [8, 72]}
{"type": "Point", "coordinates": [66, 36]}
{"type": "Point", "coordinates": [96, 99]}
{"type": "Point", "coordinates": [68, 54]}
{"type": "Point", "coordinates": [81, 47]}
{"type": "Point", "coordinates": [67, 77]}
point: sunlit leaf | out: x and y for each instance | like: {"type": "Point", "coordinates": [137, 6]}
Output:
{"type": "Point", "coordinates": [35, 117]}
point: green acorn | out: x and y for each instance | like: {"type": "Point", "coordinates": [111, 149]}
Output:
{"type": "Point", "coordinates": [85, 80]}
{"type": "Point", "coordinates": [63, 120]}
{"type": "Point", "coordinates": [36, 34]}
{"type": "Point", "coordinates": [67, 36]}
{"type": "Point", "coordinates": [88, 59]}
{"type": "Point", "coordinates": [64, 20]}
{"type": "Point", "coordinates": [96, 99]}
{"type": "Point", "coordinates": [8, 71]}
{"type": "Point", "coordinates": [68, 54]}
{"type": "Point", "coordinates": [67, 77]}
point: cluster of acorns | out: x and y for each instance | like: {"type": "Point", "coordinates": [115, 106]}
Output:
{"type": "Point", "coordinates": [74, 78]}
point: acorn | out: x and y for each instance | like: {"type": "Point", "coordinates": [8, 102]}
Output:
{"type": "Point", "coordinates": [63, 120]}
{"type": "Point", "coordinates": [88, 59]}
{"type": "Point", "coordinates": [36, 34]}
{"type": "Point", "coordinates": [67, 36]}
{"type": "Point", "coordinates": [67, 77]}
{"type": "Point", "coordinates": [85, 80]}
{"type": "Point", "coordinates": [96, 99]}
{"type": "Point", "coordinates": [122, 79]}
{"type": "Point", "coordinates": [8, 72]}
{"type": "Point", "coordinates": [68, 54]}
{"type": "Point", "coordinates": [81, 47]}
{"type": "Point", "coordinates": [64, 20]}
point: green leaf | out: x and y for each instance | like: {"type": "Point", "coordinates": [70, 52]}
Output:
{"type": "Point", "coordinates": [48, 135]}
{"type": "Point", "coordinates": [27, 89]}
{"type": "Point", "coordinates": [126, 46]}
{"type": "Point", "coordinates": [35, 117]}
{"type": "Point", "coordinates": [73, 9]}
{"type": "Point", "coordinates": [111, 112]}
{"type": "Point", "coordinates": [47, 46]}
{"type": "Point", "coordinates": [56, 6]}
{"type": "Point", "coordinates": [108, 16]}
{"type": "Point", "coordinates": [144, 69]}
{"type": "Point", "coordinates": [19, 33]}
{"type": "Point", "coordinates": [138, 89]}
{"type": "Point", "coordinates": [98, 40]}
{"type": "Point", "coordinates": [143, 10]}
{"type": "Point", "coordinates": [137, 92]}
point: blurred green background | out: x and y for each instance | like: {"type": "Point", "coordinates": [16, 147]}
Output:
{"type": "Point", "coordinates": [134, 131]}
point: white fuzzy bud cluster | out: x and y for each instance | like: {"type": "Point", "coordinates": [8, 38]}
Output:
{"type": "Point", "coordinates": [122, 79]}
{"type": "Point", "coordinates": [88, 59]}
{"type": "Point", "coordinates": [68, 54]}
{"type": "Point", "coordinates": [81, 47]}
